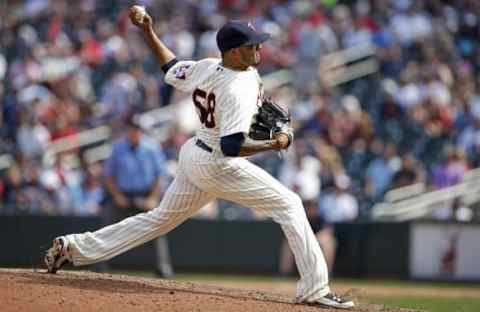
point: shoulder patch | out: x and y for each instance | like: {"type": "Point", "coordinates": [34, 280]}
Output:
{"type": "Point", "coordinates": [180, 72]}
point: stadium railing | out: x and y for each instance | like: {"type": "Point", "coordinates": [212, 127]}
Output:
{"type": "Point", "coordinates": [417, 201]}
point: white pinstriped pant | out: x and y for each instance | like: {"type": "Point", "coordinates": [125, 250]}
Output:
{"type": "Point", "coordinates": [202, 177]}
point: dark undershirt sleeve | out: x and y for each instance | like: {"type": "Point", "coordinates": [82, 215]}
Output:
{"type": "Point", "coordinates": [231, 144]}
{"type": "Point", "coordinates": [169, 65]}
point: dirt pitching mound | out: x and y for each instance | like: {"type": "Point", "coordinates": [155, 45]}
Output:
{"type": "Point", "coordinates": [28, 290]}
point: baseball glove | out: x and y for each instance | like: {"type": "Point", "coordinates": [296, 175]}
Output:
{"type": "Point", "coordinates": [270, 119]}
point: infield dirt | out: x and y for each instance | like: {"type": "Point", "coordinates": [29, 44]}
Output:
{"type": "Point", "coordinates": [23, 290]}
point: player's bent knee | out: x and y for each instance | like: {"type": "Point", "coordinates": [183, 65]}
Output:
{"type": "Point", "coordinates": [291, 210]}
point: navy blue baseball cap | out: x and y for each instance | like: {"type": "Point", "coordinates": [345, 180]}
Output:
{"type": "Point", "coordinates": [235, 34]}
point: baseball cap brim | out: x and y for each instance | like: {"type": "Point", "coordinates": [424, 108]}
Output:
{"type": "Point", "coordinates": [257, 39]}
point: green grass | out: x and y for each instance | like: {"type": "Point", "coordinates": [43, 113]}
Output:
{"type": "Point", "coordinates": [406, 283]}
{"type": "Point", "coordinates": [272, 278]}
{"type": "Point", "coordinates": [211, 277]}
{"type": "Point", "coordinates": [416, 303]}
{"type": "Point", "coordinates": [230, 278]}
{"type": "Point", "coordinates": [430, 304]}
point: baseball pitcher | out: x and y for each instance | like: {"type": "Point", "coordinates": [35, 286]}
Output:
{"type": "Point", "coordinates": [237, 121]}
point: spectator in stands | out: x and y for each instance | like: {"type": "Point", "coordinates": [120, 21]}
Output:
{"type": "Point", "coordinates": [452, 169]}
{"type": "Point", "coordinates": [335, 206]}
{"type": "Point", "coordinates": [32, 136]}
{"type": "Point", "coordinates": [339, 205]}
{"type": "Point", "coordinates": [88, 193]}
{"type": "Point", "coordinates": [66, 70]}
{"type": "Point", "coordinates": [117, 96]}
{"type": "Point", "coordinates": [54, 180]}
{"type": "Point", "coordinates": [382, 168]}
{"type": "Point", "coordinates": [410, 172]}
{"type": "Point", "coordinates": [356, 161]}
{"type": "Point", "coordinates": [450, 172]}
{"type": "Point", "coordinates": [24, 193]}
{"type": "Point", "coordinates": [469, 139]}
{"type": "Point", "coordinates": [301, 172]}
{"type": "Point", "coordinates": [134, 175]}
{"type": "Point", "coordinates": [12, 183]}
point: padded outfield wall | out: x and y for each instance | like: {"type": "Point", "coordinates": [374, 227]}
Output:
{"type": "Point", "coordinates": [399, 250]}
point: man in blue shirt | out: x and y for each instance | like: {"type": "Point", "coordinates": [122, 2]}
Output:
{"type": "Point", "coordinates": [134, 181]}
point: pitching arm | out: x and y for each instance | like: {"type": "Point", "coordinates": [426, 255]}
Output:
{"type": "Point", "coordinates": [162, 53]}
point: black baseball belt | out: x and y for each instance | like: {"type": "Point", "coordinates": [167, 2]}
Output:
{"type": "Point", "coordinates": [203, 146]}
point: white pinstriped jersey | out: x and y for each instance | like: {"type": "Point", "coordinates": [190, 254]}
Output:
{"type": "Point", "coordinates": [226, 100]}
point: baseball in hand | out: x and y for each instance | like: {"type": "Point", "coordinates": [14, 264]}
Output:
{"type": "Point", "coordinates": [139, 13]}
{"type": "Point", "coordinates": [282, 139]}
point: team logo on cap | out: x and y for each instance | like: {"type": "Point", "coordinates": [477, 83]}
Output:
{"type": "Point", "coordinates": [250, 25]}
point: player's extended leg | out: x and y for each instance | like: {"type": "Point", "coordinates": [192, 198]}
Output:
{"type": "Point", "coordinates": [181, 200]}
{"type": "Point", "coordinates": [244, 183]}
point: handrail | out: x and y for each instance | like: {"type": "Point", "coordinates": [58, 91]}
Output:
{"type": "Point", "coordinates": [404, 192]}
{"type": "Point", "coordinates": [341, 57]}
{"type": "Point", "coordinates": [80, 139]}
{"type": "Point", "coordinates": [345, 65]}
{"type": "Point", "coordinates": [277, 79]}
{"type": "Point", "coordinates": [426, 202]}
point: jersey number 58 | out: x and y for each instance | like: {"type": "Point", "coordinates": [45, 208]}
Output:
{"type": "Point", "coordinates": [205, 102]}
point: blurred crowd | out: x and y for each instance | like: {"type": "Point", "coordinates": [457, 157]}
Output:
{"type": "Point", "coordinates": [70, 66]}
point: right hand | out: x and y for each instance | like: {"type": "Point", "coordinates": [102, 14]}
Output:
{"type": "Point", "coordinates": [120, 201]}
{"type": "Point", "coordinates": [145, 24]}
{"type": "Point", "coordinates": [284, 136]}
{"type": "Point", "coordinates": [283, 140]}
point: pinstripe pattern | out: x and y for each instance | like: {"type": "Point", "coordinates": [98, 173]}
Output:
{"type": "Point", "coordinates": [236, 93]}
{"type": "Point", "coordinates": [240, 181]}
{"type": "Point", "coordinates": [181, 200]}
{"type": "Point", "coordinates": [203, 176]}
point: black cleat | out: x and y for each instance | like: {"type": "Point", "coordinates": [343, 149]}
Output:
{"type": "Point", "coordinates": [58, 255]}
{"type": "Point", "coordinates": [332, 300]}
